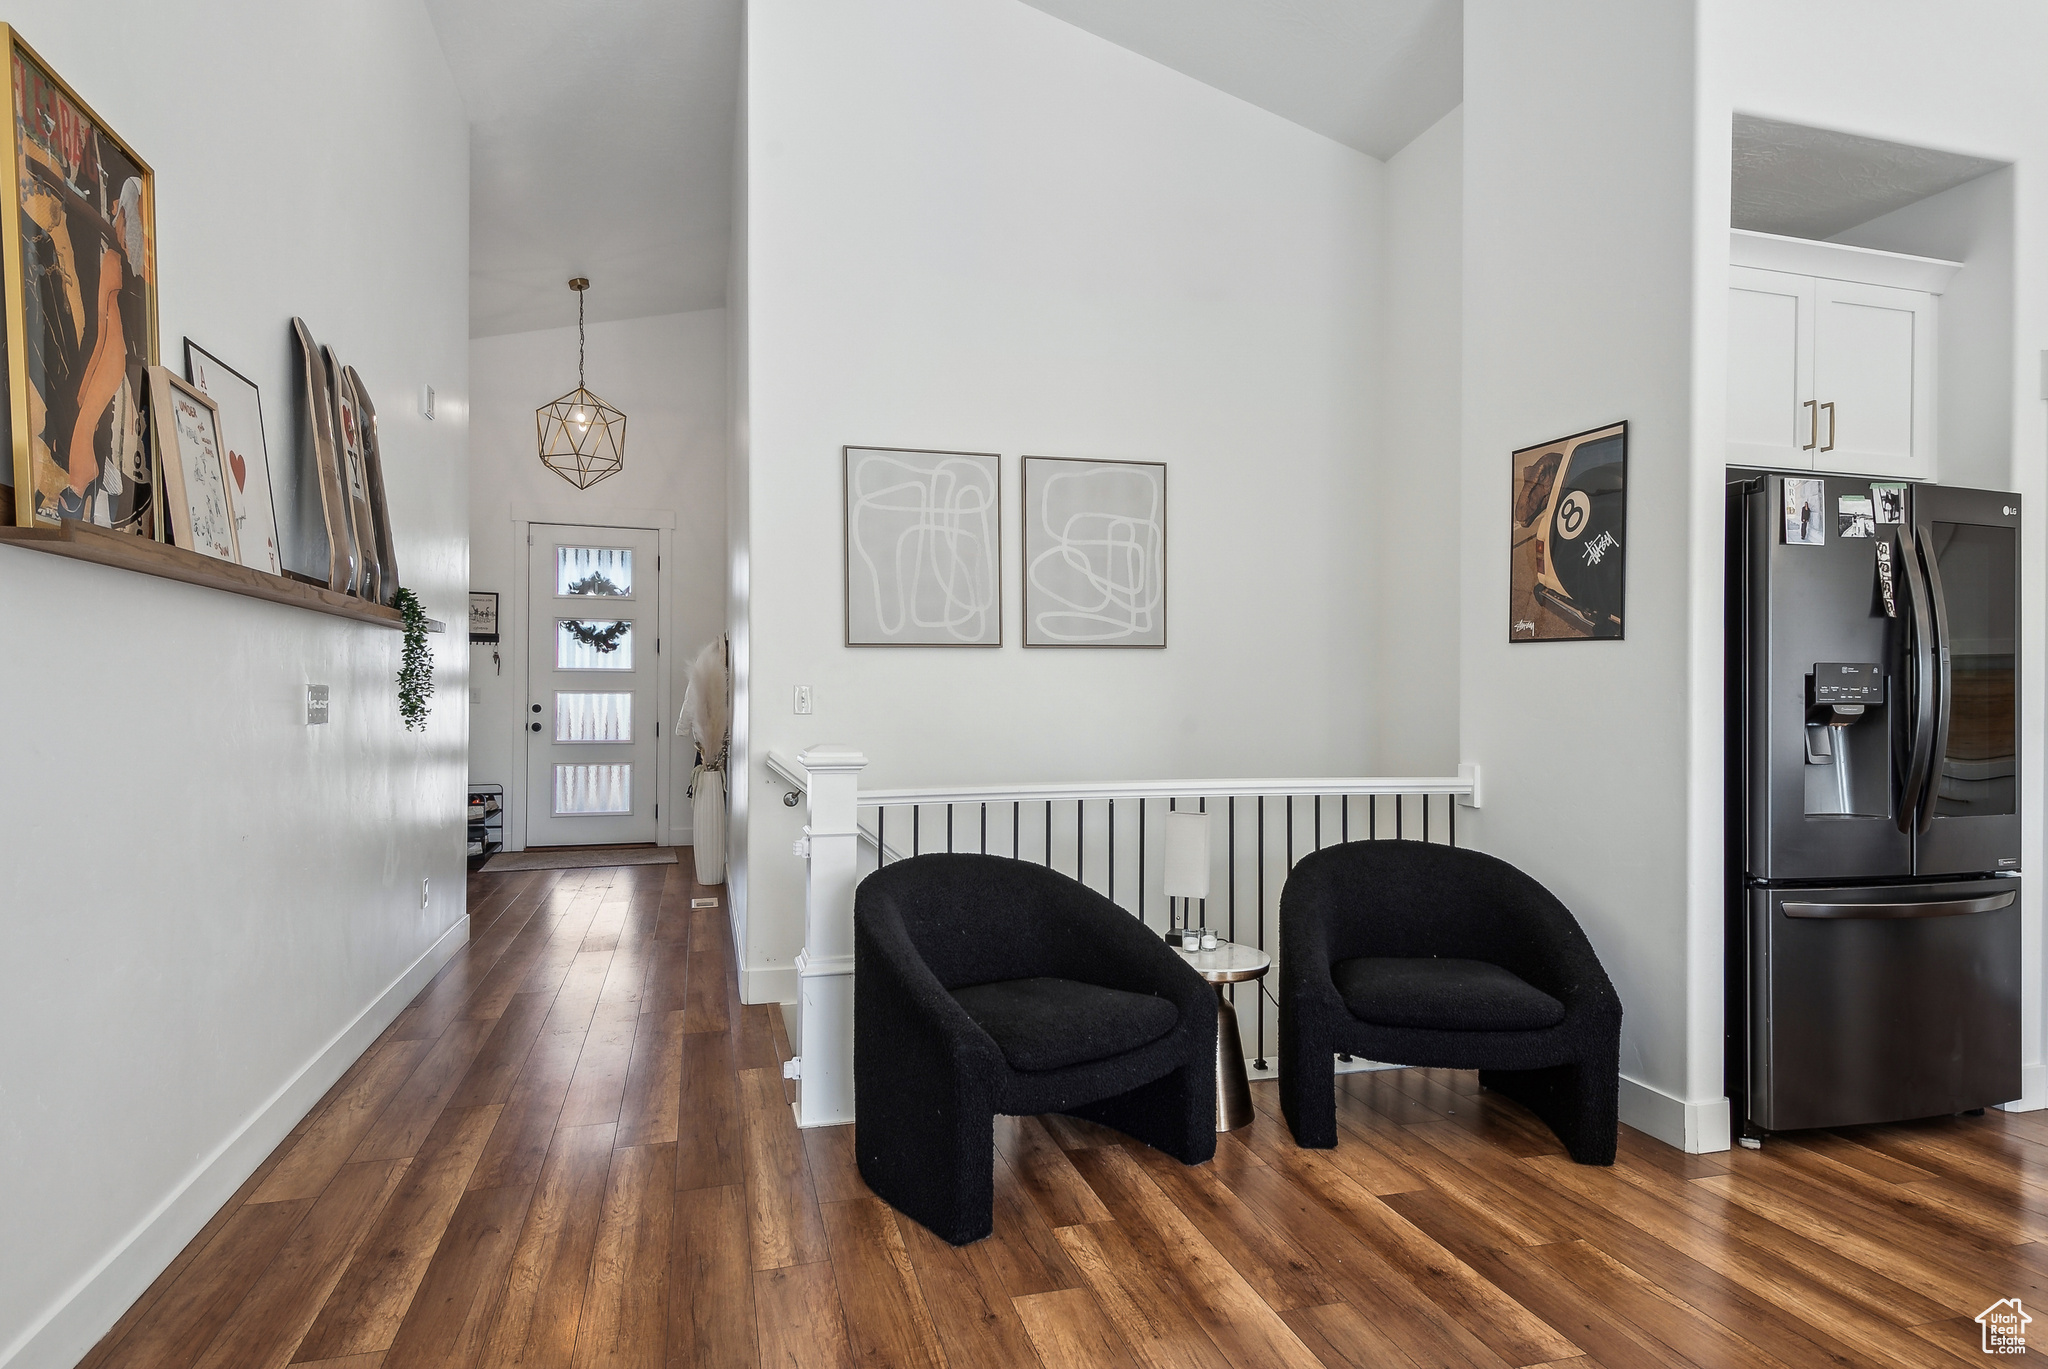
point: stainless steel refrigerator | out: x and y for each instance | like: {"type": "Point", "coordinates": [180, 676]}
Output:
{"type": "Point", "coordinates": [1873, 800]}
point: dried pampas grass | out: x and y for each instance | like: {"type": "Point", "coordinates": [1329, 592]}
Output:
{"type": "Point", "coordinates": [705, 706]}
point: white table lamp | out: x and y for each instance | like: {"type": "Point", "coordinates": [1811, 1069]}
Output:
{"type": "Point", "coordinates": [1184, 869]}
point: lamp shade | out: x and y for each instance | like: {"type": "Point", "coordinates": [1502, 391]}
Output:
{"type": "Point", "coordinates": [1185, 868]}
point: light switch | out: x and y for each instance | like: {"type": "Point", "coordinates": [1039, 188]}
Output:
{"type": "Point", "coordinates": [803, 699]}
{"type": "Point", "coordinates": [316, 705]}
{"type": "Point", "coordinates": [427, 402]}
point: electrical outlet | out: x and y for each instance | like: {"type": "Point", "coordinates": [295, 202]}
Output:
{"type": "Point", "coordinates": [423, 892]}
{"type": "Point", "coordinates": [316, 705]}
{"type": "Point", "coordinates": [476, 696]}
{"type": "Point", "coordinates": [803, 698]}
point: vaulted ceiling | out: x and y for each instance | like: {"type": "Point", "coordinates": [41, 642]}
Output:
{"type": "Point", "coordinates": [601, 138]}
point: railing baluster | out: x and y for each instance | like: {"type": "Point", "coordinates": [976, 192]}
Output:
{"type": "Point", "coordinates": [1319, 822]}
{"type": "Point", "coordinates": [1048, 834]}
{"type": "Point", "coordinates": [1290, 832]}
{"type": "Point", "coordinates": [1230, 840]}
{"type": "Point", "coordinates": [1452, 813]}
{"type": "Point", "coordinates": [1141, 860]}
{"type": "Point", "coordinates": [1017, 831]}
{"type": "Point", "coordinates": [1372, 817]}
{"type": "Point", "coordinates": [1397, 817]}
{"type": "Point", "coordinates": [1111, 895]}
{"type": "Point", "coordinates": [984, 829]}
{"type": "Point", "coordinates": [1344, 817]}
{"type": "Point", "coordinates": [881, 841]}
{"type": "Point", "coordinates": [916, 822]}
{"type": "Point", "coordinates": [949, 829]}
{"type": "Point", "coordinates": [1259, 1051]}
{"type": "Point", "coordinates": [1080, 839]}
{"type": "Point", "coordinates": [1425, 817]}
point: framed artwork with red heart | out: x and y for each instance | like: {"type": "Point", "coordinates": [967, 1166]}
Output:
{"type": "Point", "coordinates": [247, 460]}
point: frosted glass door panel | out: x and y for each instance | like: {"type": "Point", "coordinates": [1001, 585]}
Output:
{"type": "Point", "coordinates": [593, 790]}
{"type": "Point", "coordinates": [1770, 363]}
{"type": "Point", "coordinates": [581, 644]}
{"type": "Point", "coordinates": [593, 717]}
{"type": "Point", "coordinates": [593, 572]}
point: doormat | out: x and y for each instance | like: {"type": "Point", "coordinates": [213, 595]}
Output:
{"type": "Point", "coordinates": [579, 858]}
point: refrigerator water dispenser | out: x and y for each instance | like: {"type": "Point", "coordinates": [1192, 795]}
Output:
{"type": "Point", "coordinates": [1848, 742]}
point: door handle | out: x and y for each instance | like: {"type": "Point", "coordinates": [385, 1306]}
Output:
{"type": "Point", "coordinates": [1919, 634]}
{"type": "Point", "coordinates": [536, 708]}
{"type": "Point", "coordinates": [1812, 426]}
{"type": "Point", "coordinates": [1947, 907]}
{"type": "Point", "coordinates": [1830, 407]}
{"type": "Point", "coordinates": [1944, 705]}
{"type": "Point", "coordinates": [534, 726]}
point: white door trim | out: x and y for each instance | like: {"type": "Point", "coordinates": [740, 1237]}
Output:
{"type": "Point", "coordinates": [524, 517]}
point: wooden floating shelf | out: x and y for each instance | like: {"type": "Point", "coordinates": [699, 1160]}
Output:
{"type": "Point", "coordinates": [102, 546]}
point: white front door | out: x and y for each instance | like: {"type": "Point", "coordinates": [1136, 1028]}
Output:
{"type": "Point", "coordinates": [591, 673]}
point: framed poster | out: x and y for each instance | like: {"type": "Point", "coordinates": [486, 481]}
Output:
{"type": "Point", "coordinates": [78, 291]}
{"type": "Point", "coordinates": [322, 503]}
{"type": "Point", "coordinates": [483, 615]}
{"type": "Point", "coordinates": [923, 548]}
{"type": "Point", "coordinates": [1568, 538]}
{"type": "Point", "coordinates": [198, 510]}
{"type": "Point", "coordinates": [240, 405]}
{"type": "Point", "coordinates": [1094, 552]}
{"type": "Point", "coordinates": [373, 477]}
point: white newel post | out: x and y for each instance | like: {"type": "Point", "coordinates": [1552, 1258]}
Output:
{"type": "Point", "coordinates": [824, 968]}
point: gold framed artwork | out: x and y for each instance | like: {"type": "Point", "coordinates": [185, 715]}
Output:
{"type": "Point", "coordinates": [78, 295]}
{"type": "Point", "coordinates": [1568, 538]}
{"type": "Point", "coordinates": [199, 511]}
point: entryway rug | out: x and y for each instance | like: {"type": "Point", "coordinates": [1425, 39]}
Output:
{"type": "Point", "coordinates": [579, 858]}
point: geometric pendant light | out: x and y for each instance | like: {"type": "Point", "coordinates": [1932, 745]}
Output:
{"type": "Point", "coordinates": [582, 438]}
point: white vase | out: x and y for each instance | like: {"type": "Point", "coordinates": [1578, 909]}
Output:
{"type": "Point", "coordinates": [707, 824]}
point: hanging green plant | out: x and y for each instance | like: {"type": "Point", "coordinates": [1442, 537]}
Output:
{"type": "Point", "coordinates": [602, 639]}
{"type": "Point", "coordinates": [416, 670]}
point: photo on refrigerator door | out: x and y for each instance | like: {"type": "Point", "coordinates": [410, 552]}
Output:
{"type": "Point", "coordinates": [1805, 507]}
{"type": "Point", "coordinates": [1567, 537]}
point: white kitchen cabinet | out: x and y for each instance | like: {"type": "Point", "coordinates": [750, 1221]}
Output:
{"type": "Point", "coordinates": [1831, 357]}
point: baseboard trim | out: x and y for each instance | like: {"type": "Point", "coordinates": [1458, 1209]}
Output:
{"type": "Point", "coordinates": [91, 1306]}
{"type": "Point", "coordinates": [2033, 1090]}
{"type": "Point", "coordinates": [773, 984]}
{"type": "Point", "coordinates": [1696, 1128]}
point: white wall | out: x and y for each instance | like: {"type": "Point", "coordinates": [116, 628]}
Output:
{"type": "Point", "coordinates": [1972, 224]}
{"type": "Point", "coordinates": [1413, 506]}
{"type": "Point", "coordinates": [1962, 79]}
{"type": "Point", "coordinates": [1578, 266]}
{"type": "Point", "coordinates": [971, 226]}
{"type": "Point", "coordinates": [667, 373]}
{"type": "Point", "coordinates": [207, 900]}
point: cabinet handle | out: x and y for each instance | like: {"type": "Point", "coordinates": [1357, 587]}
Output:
{"type": "Point", "coordinates": [1813, 427]}
{"type": "Point", "coordinates": [1830, 407]}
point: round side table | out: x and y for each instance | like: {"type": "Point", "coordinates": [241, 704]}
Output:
{"type": "Point", "coordinates": [1230, 963]}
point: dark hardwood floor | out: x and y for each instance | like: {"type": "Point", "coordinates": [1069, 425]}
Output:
{"type": "Point", "coordinates": [574, 1149]}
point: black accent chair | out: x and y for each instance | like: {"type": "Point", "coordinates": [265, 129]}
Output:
{"type": "Point", "coordinates": [987, 985]}
{"type": "Point", "coordinates": [1418, 954]}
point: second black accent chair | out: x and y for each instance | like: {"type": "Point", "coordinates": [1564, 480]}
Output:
{"type": "Point", "coordinates": [1418, 954]}
{"type": "Point", "coordinates": [987, 985]}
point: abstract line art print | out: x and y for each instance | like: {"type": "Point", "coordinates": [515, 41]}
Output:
{"type": "Point", "coordinates": [1094, 552]}
{"type": "Point", "coordinates": [923, 548]}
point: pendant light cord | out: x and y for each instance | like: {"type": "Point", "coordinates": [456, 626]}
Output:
{"type": "Point", "coordinates": [579, 341]}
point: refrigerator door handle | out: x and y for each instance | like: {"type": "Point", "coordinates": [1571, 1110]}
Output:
{"type": "Point", "coordinates": [1921, 663]}
{"type": "Point", "coordinates": [1949, 907]}
{"type": "Point", "coordinates": [1943, 705]}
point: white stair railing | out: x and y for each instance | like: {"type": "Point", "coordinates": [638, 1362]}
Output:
{"type": "Point", "coordinates": [1096, 832]}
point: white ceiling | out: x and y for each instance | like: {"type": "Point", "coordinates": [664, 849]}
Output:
{"type": "Point", "coordinates": [601, 144]}
{"type": "Point", "coordinates": [601, 131]}
{"type": "Point", "coordinates": [1370, 73]}
{"type": "Point", "coordinates": [1814, 182]}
